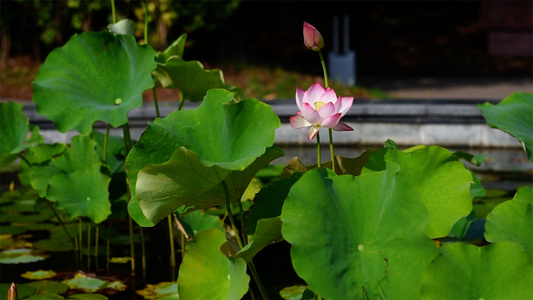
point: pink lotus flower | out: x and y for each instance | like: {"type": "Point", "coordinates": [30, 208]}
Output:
{"type": "Point", "coordinates": [312, 37]}
{"type": "Point", "coordinates": [319, 107]}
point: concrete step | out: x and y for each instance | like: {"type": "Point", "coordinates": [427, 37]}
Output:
{"type": "Point", "coordinates": [408, 122]}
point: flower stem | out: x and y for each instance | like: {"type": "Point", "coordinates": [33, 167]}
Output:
{"type": "Point", "coordinates": [113, 11]}
{"type": "Point", "coordinates": [250, 264]}
{"type": "Point", "coordinates": [331, 150]}
{"type": "Point", "coordinates": [318, 155]}
{"type": "Point", "coordinates": [171, 239]}
{"type": "Point", "coordinates": [145, 22]}
{"type": "Point", "coordinates": [127, 148]}
{"type": "Point", "coordinates": [324, 68]}
{"type": "Point", "coordinates": [330, 131]}
{"type": "Point", "coordinates": [156, 102]}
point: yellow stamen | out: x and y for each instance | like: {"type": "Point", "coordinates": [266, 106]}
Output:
{"type": "Point", "coordinates": [319, 104]}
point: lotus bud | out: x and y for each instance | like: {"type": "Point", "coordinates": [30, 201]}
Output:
{"type": "Point", "coordinates": [312, 37]}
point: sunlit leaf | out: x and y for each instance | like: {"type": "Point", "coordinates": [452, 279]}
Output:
{"type": "Point", "coordinates": [514, 115]}
{"type": "Point", "coordinates": [512, 220]}
{"type": "Point", "coordinates": [221, 277]}
{"type": "Point", "coordinates": [357, 242]}
{"type": "Point", "coordinates": [94, 76]}
{"type": "Point", "coordinates": [268, 232]}
{"type": "Point", "coordinates": [189, 77]}
{"type": "Point", "coordinates": [124, 26]}
{"type": "Point", "coordinates": [501, 270]}
{"type": "Point", "coordinates": [220, 140]}
{"type": "Point", "coordinates": [440, 178]}
{"type": "Point", "coordinates": [175, 49]}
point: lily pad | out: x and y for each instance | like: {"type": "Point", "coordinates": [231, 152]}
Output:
{"type": "Point", "coordinates": [462, 271]}
{"type": "Point", "coordinates": [294, 292]}
{"type": "Point", "coordinates": [95, 76]}
{"type": "Point", "coordinates": [49, 287]}
{"type": "Point", "coordinates": [91, 284]}
{"type": "Point", "coordinates": [512, 220]}
{"type": "Point", "coordinates": [45, 297]}
{"type": "Point", "coordinates": [84, 296]}
{"type": "Point", "coordinates": [207, 144]}
{"type": "Point", "coordinates": [221, 277]}
{"type": "Point", "coordinates": [357, 242]}
{"type": "Point", "coordinates": [162, 289]}
{"type": "Point", "coordinates": [20, 256]}
{"type": "Point", "coordinates": [514, 115]}
{"type": "Point", "coordinates": [39, 274]}
{"type": "Point", "coordinates": [12, 230]}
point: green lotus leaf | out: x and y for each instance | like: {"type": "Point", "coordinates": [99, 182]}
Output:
{"type": "Point", "coordinates": [189, 77]}
{"type": "Point", "coordinates": [82, 193]}
{"type": "Point", "coordinates": [357, 237]}
{"type": "Point", "coordinates": [15, 128]}
{"type": "Point", "coordinates": [74, 177]}
{"type": "Point", "coordinates": [115, 151]}
{"type": "Point", "coordinates": [95, 76]}
{"type": "Point", "coordinates": [185, 181]}
{"type": "Point", "coordinates": [501, 270]}
{"type": "Point", "coordinates": [268, 232]}
{"type": "Point", "coordinates": [514, 115]}
{"type": "Point", "coordinates": [39, 158]}
{"type": "Point", "coordinates": [512, 220]}
{"type": "Point", "coordinates": [221, 133]}
{"type": "Point", "coordinates": [198, 221]}
{"type": "Point", "coordinates": [175, 49]}
{"type": "Point", "coordinates": [441, 179]}
{"type": "Point", "coordinates": [268, 202]}
{"type": "Point", "coordinates": [206, 273]}
{"type": "Point", "coordinates": [343, 165]}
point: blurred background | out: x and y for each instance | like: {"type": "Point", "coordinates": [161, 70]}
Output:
{"type": "Point", "coordinates": [259, 44]}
